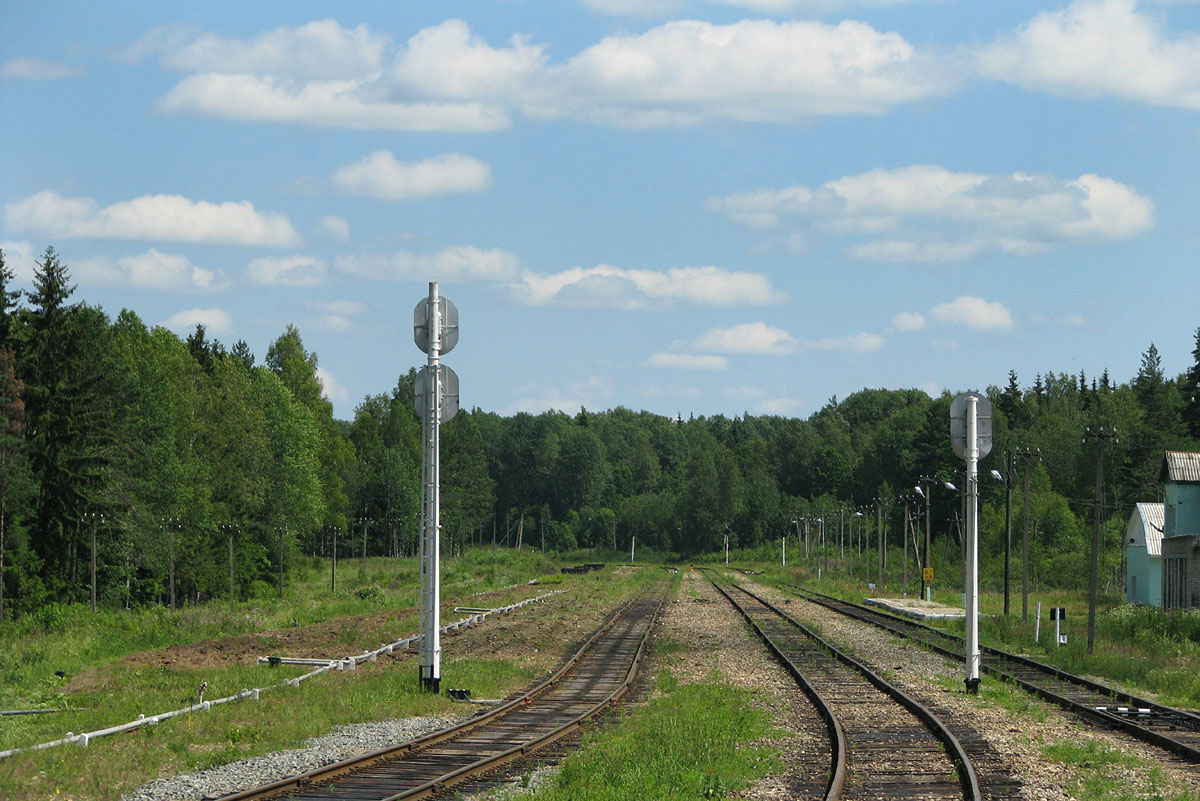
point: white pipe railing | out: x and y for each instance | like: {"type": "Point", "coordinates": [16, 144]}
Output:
{"type": "Point", "coordinates": [324, 666]}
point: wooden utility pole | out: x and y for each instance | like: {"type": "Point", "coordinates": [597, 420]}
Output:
{"type": "Point", "coordinates": [879, 523]}
{"type": "Point", "coordinates": [1028, 456]}
{"type": "Point", "coordinates": [1008, 468]}
{"type": "Point", "coordinates": [1101, 436]}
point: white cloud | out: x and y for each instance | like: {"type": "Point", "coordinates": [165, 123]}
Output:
{"type": "Point", "coordinates": [153, 269]}
{"type": "Point", "coordinates": [615, 287]}
{"type": "Point", "coordinates": [18, 257]}
{"type": "Point", "coordinates": [446, 78]}
{"type": "Point", "coordinates": [35, 69]}
{"type": "Point", "coordinates": [1098, 48]}
{"type": "Point", "coordinates": [337, 316]}
{"type": "Point", "coordinates": [347, 104]}
{"type": "Point", "coordinates": [594, 393]}
{"type": "Point", "coordinates": [322, 49]}
{"type": "Point", "coordinates": [216, 322]}
{"type": "Point", "coordinates": [688, 71]}
{"type": "Point", "coordinates": [334, 391]}
{"type": "Point", "coordinates": [975, 313]}
{"type": "Point", "coordinates": [748, 338]}
{"type": "Point", "coordinates": [931, 389]}
{"type": "Point", "coordinates": [784, 407]}
{"type": "Point", "coordinates": [909, 321]}
{"type": "Point", "coordinates": [460, 263]}
{"type": "Point", "coordinates": [293, 270]}
{"type": "Point", "coordinates": [855, 343]}
{"type": "Point", "coordinates": [336, 227]}
{"type": "Point", "coordinates": [448, 61]}
{"type": "Point", "coordinates": [687, 361]}
{"type": "Point", "coordinates": [379, 175]}
{"type": "Point", "coordinates": [168, 218]}
{"type": "Point", "coordinates": [948, 216]}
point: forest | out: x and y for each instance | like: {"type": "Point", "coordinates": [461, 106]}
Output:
{"type": "Point", "coordinates": [177, 469]}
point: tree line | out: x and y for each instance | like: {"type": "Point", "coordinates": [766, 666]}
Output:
{"type": "Point", "coordinates": [195, 470]}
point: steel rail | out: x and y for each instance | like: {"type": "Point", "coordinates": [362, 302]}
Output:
{"type": "Point", "coordinates": [919, 632]}
{"type": "Point", "coordinates": [839, 752]}
{"type": "Point", "coordinates": [968, 777]}
{"type": "Point", "coordinates": [476, 724]}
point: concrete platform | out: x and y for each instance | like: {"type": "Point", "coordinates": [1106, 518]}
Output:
{"type": "Point", "coordinates": [918, 609]}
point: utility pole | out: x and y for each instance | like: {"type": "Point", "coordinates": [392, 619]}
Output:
{"type": "Point", "coordinates": [1008, 457]}
{"type": "Point", "coordinates": [904, 545]}
{"type": "Point", "coordinates": [1027, 455]}
{"type": "Point", "coordinates": [879, 523]}
{"type": "Point", "coordinates": [927, 570]}
{"type": "Point", "coordinates": [281, 530]}
{"type": "Point", "coordinates": [170, 525]}
{"type": "Point", "coordinates": [93, 515]}
{"type": "Point", "coordinates": [1101, 436]}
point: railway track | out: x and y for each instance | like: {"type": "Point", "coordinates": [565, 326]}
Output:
{"type": "Point", "coordinates": [1175, 730]}
{"type": "Point", "coordinates": [599, 674]}
{"type": "Point", "coordinates": [883, 743]}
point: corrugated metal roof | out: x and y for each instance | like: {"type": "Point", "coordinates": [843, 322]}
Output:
{"type": "Point", "coordinates": [1180, 466]}
{"type": "Point", "coordinates": [1152, 524]}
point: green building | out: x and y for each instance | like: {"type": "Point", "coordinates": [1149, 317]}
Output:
{"type": "Point", "coordinates": [1181, 530]}
{"type": "Point", "coordinates": [1143, 555]}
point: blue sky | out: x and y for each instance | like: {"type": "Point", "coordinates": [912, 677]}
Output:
{"type": "Point", "coordinates": [685, 206]}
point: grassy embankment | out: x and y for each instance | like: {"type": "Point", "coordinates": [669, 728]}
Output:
{"type": "Point", "coordinates": [119, 664]}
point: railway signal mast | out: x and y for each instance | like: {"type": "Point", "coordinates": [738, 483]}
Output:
{"type": "Point", "coordinates": [971, 438]}
{"type": "Point", "coordinates": [435, 330]}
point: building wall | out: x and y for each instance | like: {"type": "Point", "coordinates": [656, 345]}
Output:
{"type": "Point", "coordinates": [1147, 570]}
{"type": "Point", "coordinates": [1181, 513]}
{"type": "Point", "coordinates": [1181, 572]}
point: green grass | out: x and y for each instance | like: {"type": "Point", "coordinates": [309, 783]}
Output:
{"type": "Point", "coordinates": [700, 734]}
{"type": "Point", "coordinates": [1100, 772]}
{"type": "Point", "coordinates": [91, 649]}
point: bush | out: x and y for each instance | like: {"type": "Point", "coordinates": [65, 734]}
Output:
{"type": "Point", "coordinates": [369, 592]}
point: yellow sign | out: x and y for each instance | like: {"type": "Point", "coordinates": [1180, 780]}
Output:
{"type": "Point", "coordinates": [927, 574]}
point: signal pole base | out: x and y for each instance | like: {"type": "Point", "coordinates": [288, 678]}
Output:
{"type": "Point", "coordinates": [433, 685]}
{"type": "Point", "coordinates": [972, 686]}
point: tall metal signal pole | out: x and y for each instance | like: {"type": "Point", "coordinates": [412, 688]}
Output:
{"type": "Point", "coordinates": [971, 438]}
{"type": "Point", "coordinates": [435, 330]}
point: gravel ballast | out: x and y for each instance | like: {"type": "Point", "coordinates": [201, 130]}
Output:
{"type": "Point", "coordinates": [342, 743]}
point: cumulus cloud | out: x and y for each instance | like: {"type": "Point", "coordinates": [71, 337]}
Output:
{"type": "Point", "coordinates": [333, 390]}
{"type": "Point", "coordinates": [336, 227]}
{"type": "Point", "coordinates": [780, 406]}
{"type": "Point", "coordinates": [381, 176]}
{"type": "Point", "coordinates": [167, 272]}
{"type": "Point", "coordinates": [168, 218]}
{"type": "Point", "coordinates": [748, 338]}
{"type": "Point", "coordinates": [35, 69]}
{"type": "Point", "coordinates": [615, 287]}
{"type": "Point", "coordinates": [319, 49]}
{"type": "Point", "coordinates": [688, 71]}
{"type": "Point", "coordinates": [447, 78]}
{"type": "Point", "coordinates": [1099, 48]}
{"type": "Point", "coordinates": [948, 216]}
{"type": "Point", "coordinates": [855, 343]}
{"type": "Point", "coordinates": [593, 393]}
{"type": "Point", "coordinates": [215, 321]}
{"type": "Point", "coordinates": [975, 313]}
{"type": "Point", "coordinates": [337, 316]}
{"type": "Point", "coordinates": [324, 104]}
{"type": "Point", "coordinates": [908, 321]}
{"type": "Point", "coordinates": [18, 257]}
{"type": "Point", "coordinates": [460, 263]}
{"type": "Point", "coordinates": [296, 270]}
{"type": "Point", "coordinates": [688, 361]}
